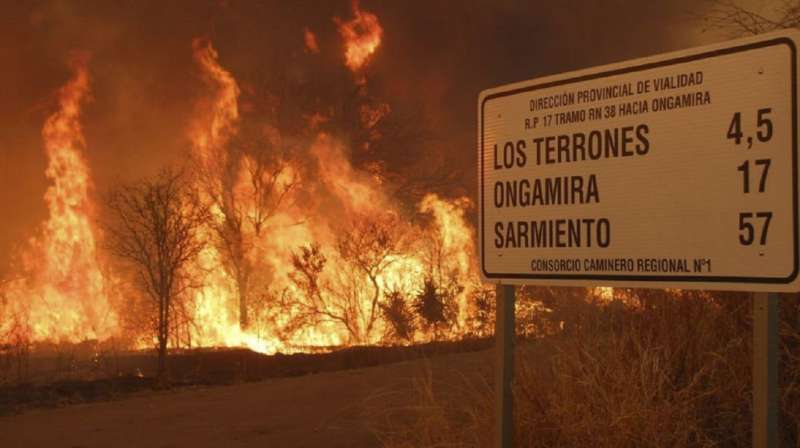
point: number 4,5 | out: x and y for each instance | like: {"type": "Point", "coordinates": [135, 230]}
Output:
{"type": "Point", "coordinates": [763, 123]}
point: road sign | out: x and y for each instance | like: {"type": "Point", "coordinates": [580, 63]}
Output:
{"type": "Point", "coordinates": [679, 170]}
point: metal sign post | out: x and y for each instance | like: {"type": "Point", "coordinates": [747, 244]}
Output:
{"type": "Point", "coordinates": [766, 401]}
{"type": "Point", "coordinates": [504, 366]}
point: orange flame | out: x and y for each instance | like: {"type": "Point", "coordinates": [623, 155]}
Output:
{"type": "Point", "coordinates": [64, 294]}
{"type": "Point", "coordinates": [347, 195]}
{"type": "Point", "coordinates": [311, 41]}
{"type": "Point", "coordinates": [455, 239]}
{"type": "Point", "coordinates": [64, 297]}
{"type": "Point", "coordinates": [214, 321]}
{"type": "Point", "coordinates": [218, 118]}
{"type": "Point", "coordinates": [362, 36]}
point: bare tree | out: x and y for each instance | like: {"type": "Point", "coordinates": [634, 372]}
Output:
{"type": "Point", "coordinates": [730, 15]}
{"type": "Point", "coordinates": [351, 295]}
{"type": "Point", "coordinates": [247, 185]}
{"type": "Point", "coordinates": [153, 229]}
{"type": "Point", "coordinates": [441, 264]}
{"type": "Point", "coordinates": [371, 247]}
{"type": "Point", "coordinates": [15, 334]}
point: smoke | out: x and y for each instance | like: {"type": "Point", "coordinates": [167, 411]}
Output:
{"type": "Point", "coordinates": [434, 59]}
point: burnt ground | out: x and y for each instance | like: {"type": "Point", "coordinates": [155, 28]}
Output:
{"type": "Point", "coordinates": [322, 405]}
{"type": "Point", "coordinates": [60, 380]}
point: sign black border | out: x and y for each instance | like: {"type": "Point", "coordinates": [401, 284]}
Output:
{"type": "Point", "coordinates": [647, 66]}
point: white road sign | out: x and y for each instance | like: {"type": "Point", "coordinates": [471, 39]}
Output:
{"type": "Point", "coordinates": [679, 170]}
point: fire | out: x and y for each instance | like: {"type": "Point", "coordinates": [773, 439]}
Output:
{"type": "Point", "coordinates": [353, 190]}
{"type": "Point", "coordinates": [304, 249]}
{"type": "Point", "coordinates": [212, 319]}
{"type": "Point", "coordinates": [454, 240]}
{"type": "Point", "coordinates": [362, 36]}
{"type": "Point", "coordinates": [310, 40]}
{"type": "Point", "coordinates": [62, 295]}
{"type": "Point", "coordinates": [218, 118]}
{"type": "Point", "coordinates": [357, 207]}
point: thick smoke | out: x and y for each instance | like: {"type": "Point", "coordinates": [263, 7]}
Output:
{"type": "Point", "coordinates": [434, 59]}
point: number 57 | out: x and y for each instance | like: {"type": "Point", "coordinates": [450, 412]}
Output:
{"type": "Point", "coordinates": [747, 229]}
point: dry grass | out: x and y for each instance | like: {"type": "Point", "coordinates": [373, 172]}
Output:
{"type": "Point", "coordinates": [442, 414]}
{"type": "Point", "coordinates": [674, 370]}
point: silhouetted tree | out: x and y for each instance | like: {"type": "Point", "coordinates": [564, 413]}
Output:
{"type": "Point", "coordinates": [399, 316]}
{"type": "Point", "coordinates": [247, 184]}
{"type": "Point", "coordinates": [370, 246]}
{"type": "Point", "coordinates": [349, 295]}
{"type": "Point", "coordinates": [730, 15]}
{"type": "Point", "coordinates": [434, 306]}
{"type": "Point", "coordinates": [153, 229]}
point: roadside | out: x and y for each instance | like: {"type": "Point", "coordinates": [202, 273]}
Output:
{"type": "Point", "coordinates": [318, 410]}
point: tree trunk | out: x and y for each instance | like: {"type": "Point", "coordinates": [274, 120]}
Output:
{"type": "Point", "coordinates": [244, 319]}
{"type": "Point", "coordinates": [163, 339]}
{"type": "Point", "coordinates": [162, 362]}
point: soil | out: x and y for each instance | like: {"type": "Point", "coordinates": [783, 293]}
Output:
{"type": "Point", "coordinates": [329, 409]}
{"type": "Point", "coordinates": [64, 375]}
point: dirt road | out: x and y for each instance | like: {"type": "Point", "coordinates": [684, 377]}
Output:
{"type": "Point", "coordinates": [326, 410]}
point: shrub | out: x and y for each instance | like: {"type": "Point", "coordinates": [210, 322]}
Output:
{"type": "Point", "coordinates": [669, 368]}
{"type": "Point", "coordinates": [398, 315]}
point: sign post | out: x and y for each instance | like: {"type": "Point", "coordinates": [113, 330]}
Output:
{"type": "Point", "coordinates": [504, 366]}
{"type": "Point", "coordinates": [673, 171]}
{"type": "Point", "coordinates": [766, 402]}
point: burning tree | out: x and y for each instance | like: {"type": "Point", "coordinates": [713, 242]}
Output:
{"type": "Point", "coordinates": [434, 305]}
{"type": "Point", "coordinates": [370, 247]}
{"type": "Point", "coordinates": [351, 295]}
{"type": "Point", "coordinates": [153, 229]}
{"type": "Point", "coordinates": [276, 165]}
{"type": "Point", "coordinates": [398, 315]}
{"type": "Point", "coordinates": [250, 188]}
{"type": "Point", "coordinates": [244, 177]}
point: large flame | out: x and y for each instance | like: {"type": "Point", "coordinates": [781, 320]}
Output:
{"type": "Point", "coordinates": [213, 319]}
{"type": "Point", "coordinates": [366, 245]}
{"type": "Point", "coordinates": [217, 117]}
{"type": "Point", "coordinates": [362, 36]}
{"type": "Point", "coordinates": [62, 295]}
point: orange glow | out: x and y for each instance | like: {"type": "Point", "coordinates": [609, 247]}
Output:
{"type": "Point", "coordinates": [62, 295]}
{"type": "Point", "coordinates": [247, 290]}
{"type": "Point", "coordinates": [214, 321]}
{"type": "Point", "coordinates": [311, 41]}
{"type": "Point", "coordinates": [454, 238]}
{"type": "Point", "coordinates": [362, 36]}
{"type": "Point", "coordinates": [219, 114]}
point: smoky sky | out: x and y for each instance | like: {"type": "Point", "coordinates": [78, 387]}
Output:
{"type": "Point", "coordinates": [435, 58]}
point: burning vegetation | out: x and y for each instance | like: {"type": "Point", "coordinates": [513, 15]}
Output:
{"type": "Point", "coordinates": [63, 292]}
{"type": "Point", "coordinates": [287, 227]}
{"type": "Point", "coordinates": [362, 36]}
{"type": "Point", "coordinates": [271, 236]}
